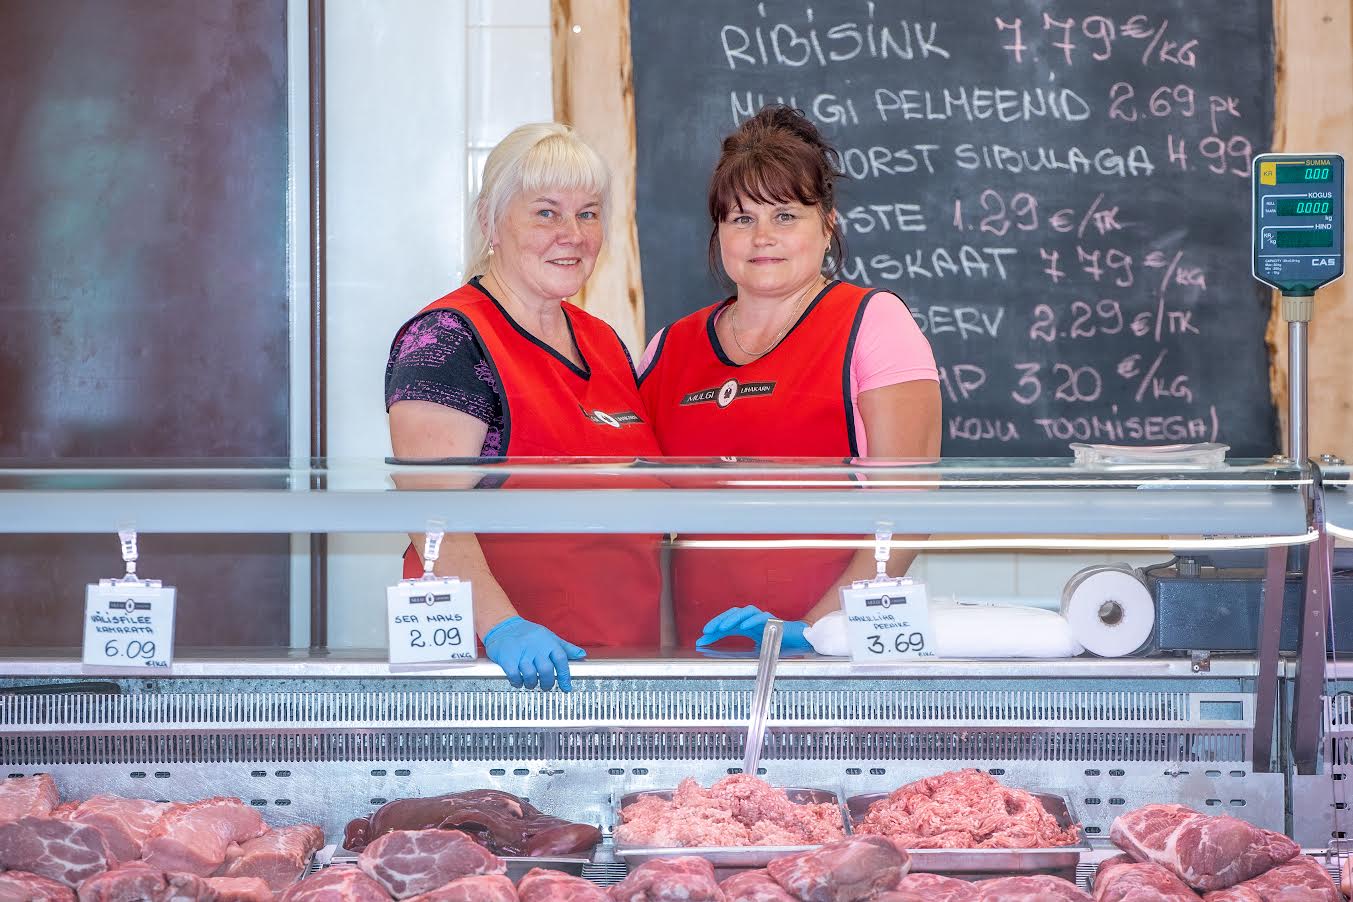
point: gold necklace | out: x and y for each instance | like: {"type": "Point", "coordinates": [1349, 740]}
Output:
{"type": "Point", "coordinates": [793, 318]}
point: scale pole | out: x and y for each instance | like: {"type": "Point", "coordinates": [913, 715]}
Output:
{"type": "Point", "coordinates": [1297, 310]}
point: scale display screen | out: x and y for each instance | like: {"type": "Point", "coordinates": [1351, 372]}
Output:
{"type": "Point", "coordinates": [1298, 217]}
{"type": "Point", "coordinates": [1296, 206]}
{"type": "Point", "coordinates": [1299, 173]}
{"type": "Point", "coordinates": [1304, 238]}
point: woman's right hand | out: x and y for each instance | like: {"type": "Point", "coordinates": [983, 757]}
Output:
{"type": "Point", "coordinates": [530, 654]}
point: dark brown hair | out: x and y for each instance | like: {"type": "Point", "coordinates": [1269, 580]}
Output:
{"type": "Point", "coordinates": [777, 157]}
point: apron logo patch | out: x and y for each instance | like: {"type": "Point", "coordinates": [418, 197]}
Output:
{"type": "Point", "coordinates": [616, 420]}
{"type": "Point", "coordinates": [729, 392]}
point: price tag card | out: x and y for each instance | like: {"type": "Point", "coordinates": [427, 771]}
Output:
{"type": "Point", "coordinates": [431, 621]}
{"type": "Point", "coordinates": [129, 624]}
{"type": "Point", "coordinates": [887, 621]}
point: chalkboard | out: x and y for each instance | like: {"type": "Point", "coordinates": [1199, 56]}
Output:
{"type": "Point", "coordinates": [1058, 190]}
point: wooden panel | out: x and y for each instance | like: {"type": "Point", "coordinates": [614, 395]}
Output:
{"type": "Point", "coordinates": [1315, 113]}
{"type": "Point", "coordinates": [594, 93]}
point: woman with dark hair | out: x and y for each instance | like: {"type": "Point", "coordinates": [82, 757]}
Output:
{"type": "Point", "coordinates": [794, 364]}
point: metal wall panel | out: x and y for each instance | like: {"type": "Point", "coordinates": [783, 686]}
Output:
{"type": "Point", "coordinates": [143, 281]}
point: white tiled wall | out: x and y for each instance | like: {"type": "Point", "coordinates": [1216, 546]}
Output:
{"type": "Point", "coordinates": [417, 93]}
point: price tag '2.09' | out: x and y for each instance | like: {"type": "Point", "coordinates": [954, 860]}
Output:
{"type": "Point", "coordinates": [129, 624]}
{"type": "Point", "coordinates": [887, 620]}
{"type": "Point", "coordinates": [431, 621]}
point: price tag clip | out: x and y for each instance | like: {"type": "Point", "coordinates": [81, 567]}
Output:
{"type": "Point", "coordinates": [432, 544]}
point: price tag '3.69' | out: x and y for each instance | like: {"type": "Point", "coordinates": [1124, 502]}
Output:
{"type": "Point", "coordinates": [887, 621]}
{"type": "Point", "coordinates": [129, 624]}
{"type": "Point", "coordinates": [431, 621]}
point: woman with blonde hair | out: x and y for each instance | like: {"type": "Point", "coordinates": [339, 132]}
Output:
{"type": "Point", "coordinates": [504, 366]}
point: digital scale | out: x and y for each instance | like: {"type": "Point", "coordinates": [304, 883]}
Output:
{"type": "Point", "coordinates": [1298, 221]}
{"type": "Point", "coordinates": [1297, 235]}
{"type": "Point", "coordinates": [1298, 241]}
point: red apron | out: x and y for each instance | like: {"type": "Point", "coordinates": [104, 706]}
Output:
{"type": "Point", "coordinates": [793, 402]}
{"type": "Point", "coordinates": [594, 590]}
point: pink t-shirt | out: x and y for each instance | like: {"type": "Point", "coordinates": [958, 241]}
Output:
{"type": "Point", "coordinates": [890, 348]}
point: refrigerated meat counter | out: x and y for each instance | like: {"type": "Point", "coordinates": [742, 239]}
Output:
{"type": "Point", "coordinates": [325, 736]}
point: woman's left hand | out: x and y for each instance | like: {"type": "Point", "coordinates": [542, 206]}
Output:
{"type": "Point", "coordinates": [750, 621]}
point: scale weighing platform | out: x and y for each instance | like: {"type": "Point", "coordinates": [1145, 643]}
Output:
{"type": "Point", "coordinates": [1298, 221]}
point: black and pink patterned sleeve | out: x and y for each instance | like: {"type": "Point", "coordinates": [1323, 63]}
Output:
{"type": "Point", "coordinates": [439, 360]}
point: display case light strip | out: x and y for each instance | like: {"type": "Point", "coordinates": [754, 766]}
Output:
{"type": "Point", "coordinates": [1024, 543]}
{"type": "Point", "coordinates": [866, 481]}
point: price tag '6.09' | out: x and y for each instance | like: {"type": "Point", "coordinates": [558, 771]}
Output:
{"type": "Point", "coordinates": [431, 621]}
{"type": "Point", "coordinates": [129, 624]}
{"type": "Point", "coordinates": [887, 620]}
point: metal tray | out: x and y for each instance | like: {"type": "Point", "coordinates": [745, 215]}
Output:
{"type": "Point", "coordinates": [1058, 859]}
{"type": "Point", "coordinates": [725, 857]}
{"type": "Point", "coordinates": [516, 866]}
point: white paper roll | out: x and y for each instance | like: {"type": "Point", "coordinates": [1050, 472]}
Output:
{"type": "Point", "coordinates": [1110, 610]}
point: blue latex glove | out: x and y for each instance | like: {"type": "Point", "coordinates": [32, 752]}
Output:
{"type": "Point", "coordinates": [749, 621]}
{"type": "Point", "coordinates": [530, 654]}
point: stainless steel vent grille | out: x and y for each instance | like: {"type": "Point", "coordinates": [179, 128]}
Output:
{"type": "Point", "coordinates": [565, 746]}
{"type": "Point", "coordinates": [1340, 751]}
{"type": "Point", "coordinates": [636, 708]}
{"type": "Point", "coordinates": [288, 748]}
{"type": "Point", "coordinates": [1339, 711]}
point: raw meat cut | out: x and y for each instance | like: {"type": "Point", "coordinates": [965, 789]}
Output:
{"type": "Point", "coordinates": [139, 882]}
{"type": "Point", "coordinates": [125, 823]}
{"type": "Point", "coordinates": [754, 886]}
{"type": "Point", "coordinates": [232, 889]}
{"type": "Point", "coordinates": [34, 796]}
{"type": "Point", "coordinates": [132, 882]}
{"type": "Point", "coordinates": [19, 886]}
{"type": "Point", "coordinates": [1120, 879]}
{"type": "Point", "coordinates": [499, 821]}
{"type": "Point", "coordinates": [739, 810]}
{"type": "Point", "coordinates": [842, 871]}
{"type": "Point", "coordinates": [561, 840]}
{"type": "Point", "coordinates": [539, 885]}
{"type": "Point", "coordinates": [336, 884]}
{"type": "Point", "coordinates": [685, 879]}
{"type": "Point", "coordinates": [192, 838]}
{"type": "Point", "coordinates": [930, 888]}
{"type": "Point", "coordinates": [1207, 853]}
{"type": "Point", "coordinates": [278, 857]}
{"type": "Point", "coordinates": [1300, 880]}
{"type": "Point", "coordinates": [964, 809]}
{"type": "Point", "coordinates": [1036, 888]}
{"type": "Point", "coordinates": [60, 850]}
{"type": "Point", "coordinates": [482, 888]}
{"type": "Point", "coordinates": [409, 862]}
{"type": "Point", "coordinates": [64, 810]}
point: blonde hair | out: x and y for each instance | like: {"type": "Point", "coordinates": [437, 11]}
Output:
{"type": "Point", "coordinates": [535, 157]}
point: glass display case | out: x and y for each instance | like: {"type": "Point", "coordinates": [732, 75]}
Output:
{"type": "Point", "coordinates": [326, 735]}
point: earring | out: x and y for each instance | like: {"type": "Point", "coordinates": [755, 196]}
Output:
{"type": "Point", "coordinates": [490, 250]}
